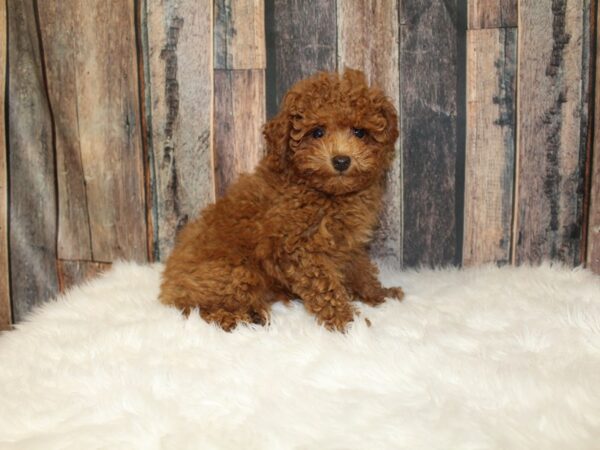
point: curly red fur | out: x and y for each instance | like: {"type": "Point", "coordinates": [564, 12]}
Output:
{"type": "Point", "coordinates": [296, 227]}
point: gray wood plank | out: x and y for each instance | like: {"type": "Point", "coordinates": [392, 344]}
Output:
{"type": "Point", "coordinates": [552, 125]}
{"type": "Point", "coordinates": [301, 40]}
{"type": "Point", "coordinates": [429, 38]}
{"type": "Point", "coordinates": [32, 183]}
{"type": "Point", "coordinates": [178, 41]}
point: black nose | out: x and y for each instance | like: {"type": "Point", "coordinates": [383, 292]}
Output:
{"type": "Point", "coordinates": [340, 162]}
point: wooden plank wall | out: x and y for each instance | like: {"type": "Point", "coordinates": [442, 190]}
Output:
{"type": "Point", "coordinates": [126, 117]}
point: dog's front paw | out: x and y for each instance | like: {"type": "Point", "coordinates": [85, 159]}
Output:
{"type": "Point", "coordinates": [336, 318]}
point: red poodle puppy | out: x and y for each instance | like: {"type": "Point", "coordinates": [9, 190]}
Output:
{"type": "Point", "coordinates": [299, 226]}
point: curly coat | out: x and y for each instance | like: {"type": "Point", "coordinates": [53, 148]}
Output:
{"type": "Point", "coordinates": [299, 226]}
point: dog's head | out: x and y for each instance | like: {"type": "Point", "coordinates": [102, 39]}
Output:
{"type": "Point", "coordinates": [334, 133]}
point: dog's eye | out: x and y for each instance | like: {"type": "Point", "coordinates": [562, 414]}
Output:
{"type": "Point", "coordinates": [359, 132]}
{"type": "Point", "coordinates": [317, 133]}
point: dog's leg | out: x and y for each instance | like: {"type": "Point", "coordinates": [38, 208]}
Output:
{"type": "Point", "coordinates": [317, 282]}
{"type": "Point", "coordinates": [361, 276]}
{"type": "Point", "coordinates": [226, 294]}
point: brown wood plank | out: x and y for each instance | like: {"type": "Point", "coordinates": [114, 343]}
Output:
{"type": "Point", "coordinates": [490, 151]}
{"type": "Point", "coordinates": [240, 34]}
{"type": "Point", "coordinates": [178, 44]}
{"type": "Point", "coordinates": [492, 13]}
{"type": "Point", "coordinates": [552, 123]}
{"type": "Point", "coordinates": [5, 313]}
{"type": "Point", "coordinates": [301, 41]}
{"type": "Point", "coordinates": [429, 136]}
{"type": "Point", "coordinates": [374, 50]}
{"type": "Point", "coordinates": [59, 31]}
{"type": "Point", "coordinates": [593, 239]}
{"type": "Point", "coordinates": [32, 196]}
{"type": "Point", "coordinates": [239, 115]}
{"type": "Point", "coordinates": [72, 273]}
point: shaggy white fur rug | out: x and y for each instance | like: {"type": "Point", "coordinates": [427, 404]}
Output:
{"type": "Point", "coordinates": [481, 358]}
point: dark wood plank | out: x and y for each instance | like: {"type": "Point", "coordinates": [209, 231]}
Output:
{"type": "Point", "coordinates": [490, 150]}
{"type": "Point", "coordinates": [239, 115]}
{"type": "Point", "coordinates": [492, 13]}
{"type": "Point", "coordinates": [5, 313]}
{"type": "Point", "coordinates": [72, 273]}
{"type": "Point", "coordinates": [301, 39]}
{"type": "Point", "coordinates": [177, 41]}
{"type": "Point", "coordinates": [593, 238]}
{"type": "Point", "coordinates": [239, 34]}
{"type": "Point", "coordinates": [552, 123]}
{"type": "Point", "coordinates": [374, 50]}
{"type": "Point", "coordinates": [429, 97]}
{"type": "Point", "coordinates": [32, 199]}
{"type": "Point", "coordinates": [59, 31]}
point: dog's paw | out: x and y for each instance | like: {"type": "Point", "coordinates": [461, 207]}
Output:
{"type": "Point", "coordinates": [337, 319]}
{"type": "Point", "coordinates": [394, 292]}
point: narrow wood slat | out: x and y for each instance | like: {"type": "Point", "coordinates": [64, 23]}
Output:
{"type": "Point", "coordinates": [492, 13]}
{"type": "Point", "coordinates": [5, 314]}
{"type": "Point", "coordinates": [490, 151]}
{"type": "Point", "coordinates": [552, 122]}
{"type": "Point", "coordinates": [73, 273]}
{"type": "Point", "coordinates": [593, 239]}
{"type": "Point", "coordinates": [32, 199]}
{"type": "Point", "coordinates": [59, 22]}
{"type": "Point", "coordinates": [374, 50]}
{"type": "Point", "coordinates": [303, 39]}
{"type": "Point", "coordinates": [240, 34]}
{"type": "Point", "coordinates": [178, 45]}
{"type": "Point", "coordinates": [428, 74]}
{"type": "Point", "coordinates": [239, 116]}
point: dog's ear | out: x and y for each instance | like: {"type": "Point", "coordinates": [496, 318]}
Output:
{"type": "Point", "coordinates": [388, 111]}
{"type": "Point", "coordinates": [277, 134]}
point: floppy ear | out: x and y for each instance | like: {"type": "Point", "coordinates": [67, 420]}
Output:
{"type": "Point", "coordinates": [276, 133]}
{"type": "Point", "coordinates": [388, 111]}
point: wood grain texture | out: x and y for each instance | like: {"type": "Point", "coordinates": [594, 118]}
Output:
{"type": "Point", "coordinates": [32, 199]}
{"type": "Point", "coordinates": [374, 50]}
{"type": "Point", "coordinates": [552, 124]}
{"type": "Point", "coordinates": [5, 313]}
{"type": "Point", "coordinates": [593, 238]}
{"type": "Point", "coordinates": [179, 91]}
{"type": "Point", "coordinates": [59, 32]}
{"type": "Point", "coordinates": [72, 273]}
{"type": "Point", "coordinates": [240, 34]}
{"type": "Point", "coordinates": [490, 151]}
{"type": "Point", "coordinates": [492, 13]}
{"type": "Point", "coordinates": [239, 116]}
{"type": "Point", "coordinates": [93, 87]}
{"type": "Point", "coordinates": [428, 115]}
{"type": "Point", "coordinates": [302, 40]}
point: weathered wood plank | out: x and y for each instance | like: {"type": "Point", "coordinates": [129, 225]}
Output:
{"type": "Point", "coordinates": [109, 129]}
{"type": "Point", "coordinates": [239, 116]}
{"type": "Point", "coordinates": [301, 40]}
{"type": "Point", "coordinates": [5, 313]}
{"type": "Point", "coordinates": [240, 34]}
{"type": "Point", "coordinates": [428, 111]}
{"type": "Point", "coordinates": [490, 150]}
{"type": "Point", "coordinates": [593, 238]}
{"type": "Point", "coordinates": [59, 31]}
{"type": "Point", "coordinates": [32, 198]}
{"type": "Point", "coordinates": [492, 13]}
{"type": "Point", "coordinates": [552, 122]}
{"type": "Point", "coordinates": [72, 273]}
{"type": "Point", "coordinates": [178, 44]}
{"type": "Point", "coordinates": [374, 50]}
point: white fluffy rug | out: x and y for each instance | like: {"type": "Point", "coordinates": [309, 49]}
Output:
{"type": "Point", "coordinates": [475, 359]}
